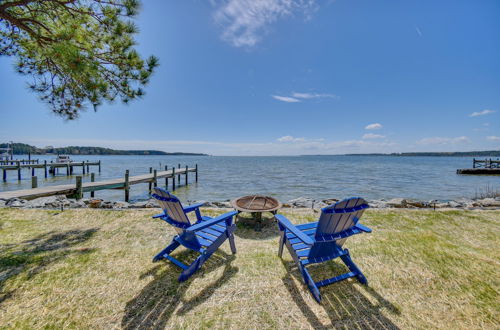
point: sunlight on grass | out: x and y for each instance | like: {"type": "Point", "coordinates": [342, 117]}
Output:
{"type": "Point", "coordinates": [93, 269]}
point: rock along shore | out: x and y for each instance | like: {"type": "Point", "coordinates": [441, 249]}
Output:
{"type": "Point", "coordinates": [58, 202]}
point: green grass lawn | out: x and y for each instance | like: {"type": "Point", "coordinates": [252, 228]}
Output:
{"type": "Point", "coordinates": [93, 269]}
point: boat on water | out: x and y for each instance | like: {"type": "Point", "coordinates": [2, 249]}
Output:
{"type": "Point", "coordinates": [63, 159]}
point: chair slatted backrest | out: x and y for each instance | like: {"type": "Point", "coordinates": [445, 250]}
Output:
{"type": "Point", "coordinates": [172, 207]}
{"type": "Point", "coordinates": [335, 219]}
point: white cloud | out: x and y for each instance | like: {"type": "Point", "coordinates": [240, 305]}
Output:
{"type": "Point", "coordinates": [374, 126]}
{"type": "Point", "coordinates": [289, 138]}
{"type": "Point", "coordinates": [443, 140]}
{"type": "Point", "coordinates": [314, 96]}
{"type": "Point", "coordinates": [244, 22]}
{"type": "Point", "coordinates": [482, 113]}
{"type": "Point", "coordinates": [373, 136]}
{"type": "Point", "coordinates": [285, 98]}
{"type": "Point", "coordinates": [493, 138]}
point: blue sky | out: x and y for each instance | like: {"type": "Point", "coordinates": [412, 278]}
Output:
{"type": "Point", "coordinates": [284, 77]}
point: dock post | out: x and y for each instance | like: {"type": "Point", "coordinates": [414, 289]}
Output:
{"type": "Point", "coordinates": [196, 172]}
{"type": "Point", "coordinates": [45, 167]}
{"type": "Point", "coordinates": [173, 178]}
{"type": "Point", "coordinates": [34, 182]}
{"type": "Point", "coordinates": [155, 173]}
{"type": "Point", "coordinates": [88, 166]}
{"type": "Point", "coordinates": [83, 166]}
{"type": "Point", "coordinates": [179, 174]}
{"type": "Point", "coordinates": [68, 169]}
{"type": "Point", "coordinates": [127, 186]}
{"type": "Point", "coordinates": [32, 171]}
{"type": "Point", "coordinates": [79, 190]}
{"type": "Point", "coordinates": [99, 166]}
{"type": "Point", "coordinates": [473, 162]}
{"type": "Point", "coordinates": [150, 183]}
{"type": "Point", "coordinates": [92, 179]}
{"type": "Point", "coordinates": [4, 175]}
{"type": "Point", "coordinates": [166, 178]}
{"type": "Point", "coordinates": [186, 177]}
{"type": "Point", "coordinates": [18, 171]}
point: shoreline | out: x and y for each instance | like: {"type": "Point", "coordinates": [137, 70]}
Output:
{"type": "Point", "coordinates": [62, 202]}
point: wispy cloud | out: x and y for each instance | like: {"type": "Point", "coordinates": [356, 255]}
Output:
{"type": "Point", "coordinates": [374, 126]}
{"type": "Point", "coordinates": [443, 140]}
{"type": "Point", "coordinates": [298, 97]}
{"type": "Point", "coordinates": [482, 113]}
{"type": "Point", "coordinates": [493, 138]}
{"type": "Point", "coordinates": [314, 96]}
{"type": "Point", "coordinates": [244, 22]}
{"type": "Point", "coordinates": [417, 29]}
{"type": "Point", "coordinates": [373, 136]}
{"type": "Point", "coordinates": [285, 98]}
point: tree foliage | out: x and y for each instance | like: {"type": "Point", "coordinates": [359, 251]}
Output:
{"type": "Point", "coordinates": [76, 53]}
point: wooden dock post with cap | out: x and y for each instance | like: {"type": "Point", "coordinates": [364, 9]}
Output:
{"type": "Point", "coordinates": [179, 174]}
{"type": "Point", "coordinates": [155, 183]}
{"type": "Point", "coordinates": [45, 168]}
{"type": "Point", "coordinates": [79, 186]}
{"type": "Point", "coordinates": [186, 176]}
{"type": "Point", "coordinates": [196, 172]}
{"type": "Point", "coordinates": [127, 186]}
{"type": "Point", "coordinates": [166, 178]}
{"type": "Point", "coordinates": [18, 172]}
{"type": "Point", "coordinates": [173, 178]}
{"type": "Point", "coordinates": [150, 185]}
{"type": "Point", "coordinates": [92, 179]}
{"type": "Point", "coordinates": [34, 182]}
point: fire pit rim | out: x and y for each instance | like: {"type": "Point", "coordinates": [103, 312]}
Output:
{"type": "Point", "coordinates": [278, 205]}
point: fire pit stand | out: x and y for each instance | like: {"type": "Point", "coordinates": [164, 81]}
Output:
{"type": "Point", "coordinates": [256, 204]}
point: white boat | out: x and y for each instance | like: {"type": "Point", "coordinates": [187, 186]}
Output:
{"type": "Point", "coordinates": [63, 159]}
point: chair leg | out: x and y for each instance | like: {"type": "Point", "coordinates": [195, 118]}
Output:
{"type": "Point", "coordinates": [282, 243]}
{"type": "Point", "coordinates": [310, 283]}
{"type": "Point", "coordinates": [346, 258]}
{"type": "Point", "coordinates": [231, 244]}
{"type": "Point", "coordinates": [172, 246]}
{"type": "Point", "coordinates": [193, 267]}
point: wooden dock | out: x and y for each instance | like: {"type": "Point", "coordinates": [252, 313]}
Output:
{"type": "Point", "coordinates": [77, 190]}
{"type": "Point", "coordinates": [482, 167]}
{"type": "Point", "coordinates": [52, 168]}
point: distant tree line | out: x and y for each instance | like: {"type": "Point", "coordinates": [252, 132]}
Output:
{"type": "Point", "coordinates": [487, 153]}
{"type": "Point", "coordinates": [23, 149]}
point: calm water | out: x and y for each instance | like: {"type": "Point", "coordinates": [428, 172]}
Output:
{"type": "Point", "coordinates": [220, 178]}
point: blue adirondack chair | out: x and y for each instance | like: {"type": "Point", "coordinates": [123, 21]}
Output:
{"type": "Point", "coordinates": [321, 241]}
{"type": "Point", "coordinates": [205, 236]}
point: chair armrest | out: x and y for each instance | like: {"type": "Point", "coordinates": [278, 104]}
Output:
{"type": "Point", "coordinates": [208, 223]}
{"type": "Point", "coordinates": [363, 228]}
{"type": "Point", "coordinates": [193, 207]}
{"type": "Point", "coordinates": [283, 221]}
{"type": "Point", "coordinates": [158, 215]}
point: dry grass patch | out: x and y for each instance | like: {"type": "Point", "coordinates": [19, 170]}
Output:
{"type": "Point", "coordinates": [92, 269]}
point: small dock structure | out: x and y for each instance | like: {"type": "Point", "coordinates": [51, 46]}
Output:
{"type": "Point", "coordinates": [79, 188]}
{"type": "Point", "coordinates": [482, 166]}
{"type": "Point", "coordinates": [52, 168]}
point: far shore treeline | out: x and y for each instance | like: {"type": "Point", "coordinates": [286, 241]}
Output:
{"type": "Point", "coordinates": [24, 149]}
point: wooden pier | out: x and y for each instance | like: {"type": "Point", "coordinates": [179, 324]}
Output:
{"type": "Point", "coordinates": [52, 168]}
{"type": "Point", "coordinates": [77, 190]}
{"type": "Point", "coordinates": [482, 166]}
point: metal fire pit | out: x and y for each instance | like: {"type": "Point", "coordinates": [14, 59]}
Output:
{"type": "Point", "coordinates": [256, 204]}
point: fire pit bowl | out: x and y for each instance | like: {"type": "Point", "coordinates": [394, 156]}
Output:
{"type": "Point", "coordinates": [256, 204]}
